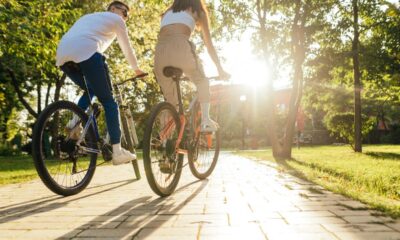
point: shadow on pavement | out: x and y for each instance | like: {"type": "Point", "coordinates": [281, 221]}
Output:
{"type": "Point", "coordinates": [149, 219]}
{"type": "Point", "coordinates": [25, 209]}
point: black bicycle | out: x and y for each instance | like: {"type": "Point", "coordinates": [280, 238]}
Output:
{"type": "Point", "coordinates": [169, 135]}
{"type": "Point", "coordinates": [65, 158]}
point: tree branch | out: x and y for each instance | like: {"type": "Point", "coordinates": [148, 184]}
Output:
{"type": "Point", "coordinates": [20, 94]}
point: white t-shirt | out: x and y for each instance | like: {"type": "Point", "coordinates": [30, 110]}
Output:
{"type": "Point", "coordinates": [94, 33]}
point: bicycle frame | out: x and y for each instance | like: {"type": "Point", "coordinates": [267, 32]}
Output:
{"type": "Point", "coordinates": [91, 120]}
{"type": "Point", "coordinates": [169, 126]}
{"type": "Point", "coordinates": [183, 121]}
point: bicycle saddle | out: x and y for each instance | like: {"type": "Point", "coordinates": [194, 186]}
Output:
{"type": "Point", "coordinates": [173, 72]}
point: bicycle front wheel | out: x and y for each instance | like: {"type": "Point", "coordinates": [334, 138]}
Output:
{"type": "Point", "coordinates": [203, 148]}
{"type": "Point", "coordinates": [64, 163]}
{"type": "Point", "coordinates": [162, 163]}
{"type": "Point", "coordinates": [128, 139]}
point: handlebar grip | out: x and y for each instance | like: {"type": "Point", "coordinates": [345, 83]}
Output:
{"type": "Point", "coordinates": [141, 76]}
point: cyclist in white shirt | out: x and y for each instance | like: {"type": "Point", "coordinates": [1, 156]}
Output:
{"type": "Point", "coordinates": [79, 55]}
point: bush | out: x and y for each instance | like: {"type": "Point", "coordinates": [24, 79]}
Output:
{"type": "Point", "coordinates": [7, 150]}
{"type": "Point", "coordinates": [393, 137]}
{"type": "Point", "coordinates": [342, 125]}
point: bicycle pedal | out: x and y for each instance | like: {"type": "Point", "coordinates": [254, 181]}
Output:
{"type": "Point", "coordinates": [165, 168]}
{"type": "Point", "coordinates": [106, 150]}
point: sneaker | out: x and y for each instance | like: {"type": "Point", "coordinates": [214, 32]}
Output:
{"type": "Point", "coordinates": [73, 122]}
{"type": "Point", "coordinates": [209, 126]}
{"type": "Point", "coordinates": [124, 156]}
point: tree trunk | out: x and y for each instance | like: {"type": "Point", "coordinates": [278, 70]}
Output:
{"type": "Point", "coordinates": [298, 55]}
{"type": "Point", "coordinates": [47, 95]}
{"type": "Point", "coordinates": [262, 9]}
{"type": "Point", "coordinates": [283, 150]}
{"type": "Point", "coordinates": [39, 97]}
{"type": "Point", "coordinates": [59, 84]}
{"type": "Point", "coordinates": [357, 81]}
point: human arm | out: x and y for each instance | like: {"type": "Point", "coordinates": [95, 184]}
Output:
{"type": "Point", "coordinates": [205, 30]}
{"type": "Point", "coordinates": [126, 47]}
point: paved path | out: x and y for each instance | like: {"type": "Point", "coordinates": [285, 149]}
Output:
{"type": "Point", "coordinates": [242, 200]}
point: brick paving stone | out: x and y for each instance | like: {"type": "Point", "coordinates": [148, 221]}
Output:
{"type": "Point", "coordinates": [288, 228]}
{"type": "Point", "coordinates": [168, 233]}
{"type": "Point", "coordinates": [242, 199]}
{"type": "Point", "coordinates": [105, 233]}
{"type": "Point", "coordinates": [369, 235]}
{"type": "Point", "coordinates": [366, 219]}
{"type": "Point", "coordinates": [243, 232]}
{"type": "Point", "coordinates": [301, 236]}
{"type": "Point", "coordinates": [353, 204]}
{"type": "Point", "coordinates": [394, 225]}
{"type": "Point", "coordinates": [44, 234]}
{"type": "Point", "coordinates": [370, 227]}
{"type": "Point", "coordinates": [313, 220]}
{"type": "Point", "coordinates": [344, 213]}
{"type": "Point", "coordinates": [11, 234]}
{"type": "Point", "coordinates": [307, 214]}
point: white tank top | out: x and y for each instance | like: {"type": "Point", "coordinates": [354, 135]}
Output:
{"type": "Point", "coordinates": [178, 17]}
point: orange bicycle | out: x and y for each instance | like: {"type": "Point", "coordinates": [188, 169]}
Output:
{"type": "Point", "coordinates": [169, 135]}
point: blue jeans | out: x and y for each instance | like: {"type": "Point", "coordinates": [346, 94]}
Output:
{"type": "Point", "coordinates": [95, 71]}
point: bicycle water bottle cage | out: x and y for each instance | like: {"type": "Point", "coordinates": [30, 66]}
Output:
{"type": "Point", "coordinates": [173, 72]}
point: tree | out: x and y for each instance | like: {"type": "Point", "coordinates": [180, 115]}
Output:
{"type": "Point", "coordinates": [275, 22]}
{"type": "Point", "coordinates": [332, 81]}
{"type": "Point", "coordinates": [357, 81]}
{"type": "Point", "coordinates": [27, 56]}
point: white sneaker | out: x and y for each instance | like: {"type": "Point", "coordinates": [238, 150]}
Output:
{"type": "Point", "coordinates": [74, 128]}
{"type": "Point", "coordinates": [124, 156]}
{"type": "Point", "coordinates": [209, 126]}
{"type": "Point", "coordinates": [72, 123]}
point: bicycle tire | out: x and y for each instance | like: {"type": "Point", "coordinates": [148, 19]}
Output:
{"type": "Point", "coordinates": [194, 150]}
{"type": "Point", "coordinates": [39, 155]}
{"type": "Point", "coordinates": [127, 131]}
{"type": "Point", "coordinates": [147, 158]}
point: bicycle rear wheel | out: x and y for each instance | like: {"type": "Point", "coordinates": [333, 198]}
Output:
{"type": "Point", "coordinates": [203, 147]}
{"type": "Point", "coordinates": [63, 165]}
{"type": "Point", "coordinates": [162, 164]}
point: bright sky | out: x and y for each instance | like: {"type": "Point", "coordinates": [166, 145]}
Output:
{"type": "Point", "coordinates": [240, 61]}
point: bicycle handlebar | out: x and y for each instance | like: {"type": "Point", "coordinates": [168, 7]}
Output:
{"type": "Point", "coordinates": [214, 78]}
{"type": "Point", "coordinates": [132, 79]}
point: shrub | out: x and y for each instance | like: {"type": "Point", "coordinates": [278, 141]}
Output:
{"type": "Point", "coordinates": [342, 125]}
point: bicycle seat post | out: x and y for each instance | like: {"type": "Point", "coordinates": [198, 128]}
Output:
{"type": "Point", "coordinates": [176, 75]}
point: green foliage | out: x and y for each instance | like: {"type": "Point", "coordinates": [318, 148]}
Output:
{"type": "Point", "coordinates": [393, 137]}
{"type": "Point", "coordinates": [329, 86]}
{"type": "Point", "coordinates": [342, 125]}
{"type": "Point", "coordinates": [29, 35]}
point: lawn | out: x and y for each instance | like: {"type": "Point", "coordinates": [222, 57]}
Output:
{"type": "Point", "coordinates": [372, 177]}
{"type": "Point", "coordinates": [18, 169]}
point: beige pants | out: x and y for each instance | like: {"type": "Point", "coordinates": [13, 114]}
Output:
{"type": "Point", "coordinates": [177, 51]}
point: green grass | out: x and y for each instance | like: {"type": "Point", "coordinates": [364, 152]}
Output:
{"type": "Point", "coordinates": [18, 169]}
{"type": "Point", "coordinates": [372, 177]}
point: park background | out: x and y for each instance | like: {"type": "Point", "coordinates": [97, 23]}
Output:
{"type": "Point", "coordinates": [304, 72]}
